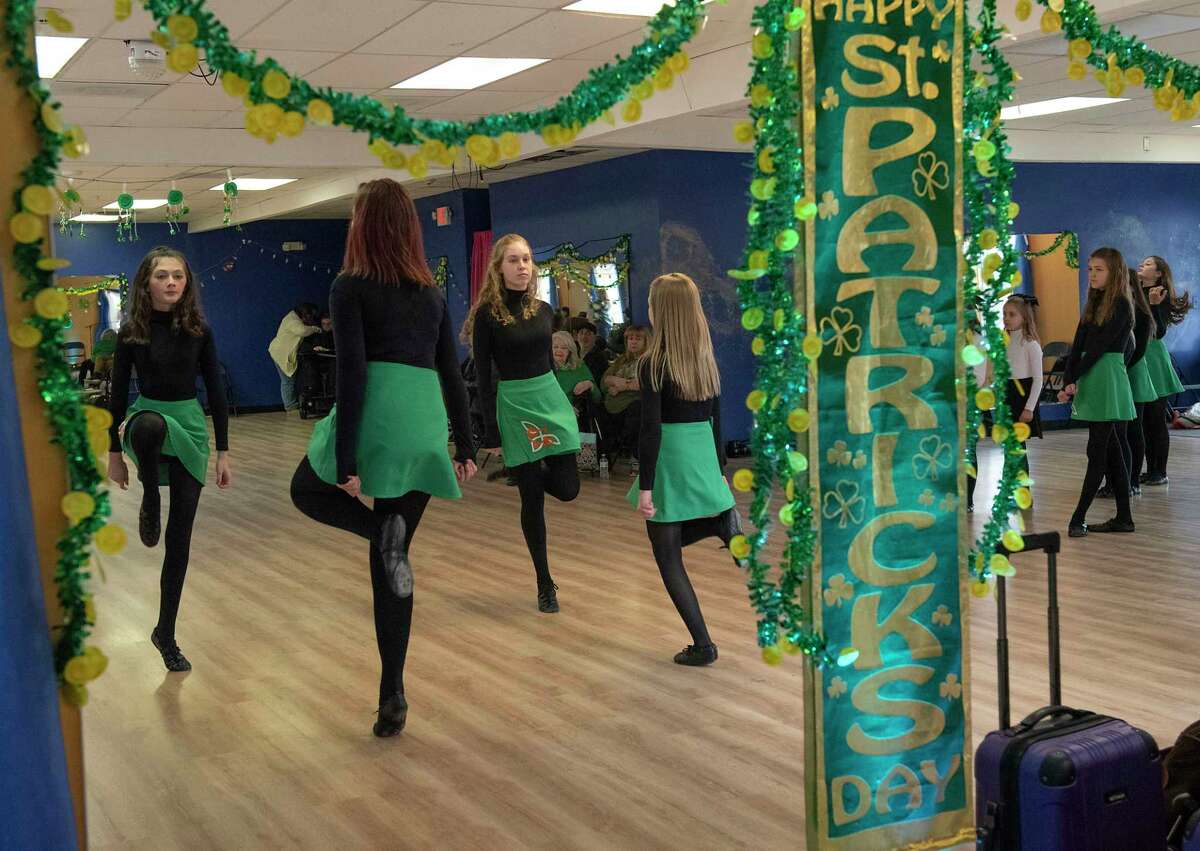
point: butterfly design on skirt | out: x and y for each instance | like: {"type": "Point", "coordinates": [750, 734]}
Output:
{"type": "Point", "coordinates": [538, 438]}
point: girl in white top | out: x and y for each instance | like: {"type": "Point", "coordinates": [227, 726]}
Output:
{"type": "Point", "coordinates": [1024, 361]}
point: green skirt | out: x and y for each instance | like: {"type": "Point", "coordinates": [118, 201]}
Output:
{"type": "Point", "coordinates": [187, 435]}
{"type": "Point", "coordinates": [1162, 371]}
{"type": "Point", "coordinates": [688, 482]}
{"type": "Point", "coordinates": [1141, 384]}
{"type": "Point", "coordinates": [536, 420]}
{"type": "Point", "coordinates": [1103, 393]}
{"type": "Point", "coordinates": [402, 437]}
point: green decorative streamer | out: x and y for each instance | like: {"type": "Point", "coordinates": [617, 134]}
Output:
{"type": "Point", "coordinates": [769, 310]}
{"type": "Point", "coordinates": [669, 30]}
{"type": "Point", "coordinates": [58, 387]}
{"type": "Point", "coordinates": [441, 273]}
{"type": "Point", "coordinates": [1072, 241]}
{"type": "Point", "coordinates": [566, 258]}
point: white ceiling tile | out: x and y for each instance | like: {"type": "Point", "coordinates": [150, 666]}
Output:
{"type": "Point", "coordinates": [737, 11]}
{"type": "Point", "coordinates": [607, 51]}
{"type": "Point", "coordinates": [104, 95]}
{"type": "Point", "coordinates": [477, 103]}
{"type": "Point", "coordinates": [718, 35]}
{"type": "Point", "coordinates": [1191, 9]}
{"type": "Point", "coordinates": [101, 60]}
{"type": "Point", "coordinates": [93, 116]}
{"type": "Point", "coordinates": [371, 71]}
{"type": "Point", "coordinates": [171, 118]}
{"type": "Point", "coordinates": [558, 34]}
{"type": "Point", "coordinates": [559, 75]}
{"type": "Point", "coordinates": [82, 170]}
{"type": "Point", "coordinates": [448, 29]}
{"type": "Point", "coordinates": [323, 25]}
{"type": "Point", "coordinates": [237, 15]}
{"type": "Point", "coordinates": [299, 62]}
{"type": "Point", "coordinates": [191, 93]}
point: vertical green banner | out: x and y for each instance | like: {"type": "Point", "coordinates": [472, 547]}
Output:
{"type": "Point", "coordinates": [889, 734]}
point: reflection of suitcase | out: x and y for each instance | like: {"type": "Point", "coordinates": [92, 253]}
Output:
{"type": "Point", "coordinates": [1064, 779]}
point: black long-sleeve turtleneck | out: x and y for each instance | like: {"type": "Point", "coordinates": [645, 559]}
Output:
{"type": "Point", "coordinates": [1094, 341]}
{"type": "Point", "coordinates": [520, 349]}
{"type": "Point", "coordinates": [167, 367]}
{"type": "Point", "coordinates": [1142, 323]}
{"type": "Point", "coordinates": [664, 406]}
{"type": "Point", "coordinates": [395, 323]}
{"type": "Point", "coordinates": [1161, 313]}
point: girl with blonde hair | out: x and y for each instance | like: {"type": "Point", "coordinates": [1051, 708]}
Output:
{"type": "Point", "coordinates": [526, 417]}
{"type": "Point", "coordinates": [680, 489]}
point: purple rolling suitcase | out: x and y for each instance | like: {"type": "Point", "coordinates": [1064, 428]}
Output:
{"type": "Point", "coordinates": [1064, 779]}
{"type": "Point", "coordinates": [1191, 834]}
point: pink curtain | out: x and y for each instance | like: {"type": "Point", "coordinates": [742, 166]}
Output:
{"type": "Point", "coordinates": [481, 252]}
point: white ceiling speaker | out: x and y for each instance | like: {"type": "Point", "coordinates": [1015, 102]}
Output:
{"type": "Point", "coordinates": [146, 59]}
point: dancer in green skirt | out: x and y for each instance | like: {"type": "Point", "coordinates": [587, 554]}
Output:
{"type": "Point", "coordinates": [1133, 443]}
{"type": "Point", "coordinates": [680, 489]}
{"type": "Point", "coordinates": [1169, 309]}
{"type": "Point", "coordinates": [1097, 380]}
{"type": "Point", "coordinates": [386, 437]}
{"type": "Point", "coordinates": [527, 417]}
{"type": "Point", "coordinates": [165, 339]}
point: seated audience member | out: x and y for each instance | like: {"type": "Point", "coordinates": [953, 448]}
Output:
{"type": "Point", "coordinates": [575, 379]}
{"type": "Point", "coordinates": [592, 349]}
{"type": "Point", "coordinates": [622, 397]}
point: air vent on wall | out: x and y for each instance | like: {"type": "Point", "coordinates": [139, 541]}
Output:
{"type": "Point", "coordinates": [139, 91]}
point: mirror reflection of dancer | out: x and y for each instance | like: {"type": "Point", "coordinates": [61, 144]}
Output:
{"type": "Point", "coordinates": [680, 489]}
{"type": "Point", "coordinates": [166, 341]}
{"type": "Point", "coordinates": [1168, 308]}
{"type": "Point", "coordinates": [526, 417]}
{"type": "Point", "coordinates": [386, 436]}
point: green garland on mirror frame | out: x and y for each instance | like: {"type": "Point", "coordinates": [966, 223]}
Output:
{"type": "Point", "coordinates": [1072, 250]}
{"type": "Point", "coordinates": [81, 431]}
{"type": "Point", "coordinates": [779, 398]}
{"type": "Point", "coordinates": [281, 104]}
{"type": "Point", "coordinates": [441, 273]}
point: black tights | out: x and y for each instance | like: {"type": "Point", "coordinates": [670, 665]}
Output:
{"type": "Point", "coordinates": [332, 506]}
{"type": "Point", "coordinates": [556, 475]}
{"type": "Point", "coordinates": [1153, 417]}
{"type": "Point", "coordinates": [667, 540]}
{"type": "Point", "coordinates": [1104, 457]}
{"type": "Point", "coordinates": [147, 431]}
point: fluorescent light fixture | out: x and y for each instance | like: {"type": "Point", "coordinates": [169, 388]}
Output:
{"type": "Point", "coordinates": [255, 184]}
{"type": "Point", "coordinates": [468, 72]}
{"type": "Point", "coordinates": [632, 8]}
{"type": "Point", "coordinates": [141, 204]}
{"type": "Point", "coordinates": [53, 52]}
{"type": "Point", "coordinates": [1050, 107]}
{"type": "Point", "coordinates": [94, 217]}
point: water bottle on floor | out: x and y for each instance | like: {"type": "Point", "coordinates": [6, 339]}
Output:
{"type": "Point", "coordinates": [604, 466]}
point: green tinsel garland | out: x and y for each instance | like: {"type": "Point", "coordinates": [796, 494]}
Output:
{"type": "Point", "coordinates": [768, 309]}
{"type": "Point", "coordinates": [566, 258]}
{"type": "Point", "coordinates": [669, 30]}
{"type": "Point", "coordinates": [987, 194]}
{"type": "Point", "coordinates": [441, 273]}
{"type": "Point", "coordinates": [58, 387]}
{"type": "Point", "coordinates": [1072, 241]}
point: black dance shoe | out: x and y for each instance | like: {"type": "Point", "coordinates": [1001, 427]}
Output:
{"type": "Point", "coordinates": [547, 599]}
{"type": "Point", "coordinates": [1155, 481]}
{"type": "Point", "coordinates": [390, 541]}
{"type": "Point", "coordinates": [150, 518]}
{"type": "Point", "coordinates": [1136, 490]}
{"type": "Point", "coordinates": [697, 657]}
{"type": "Point", "coordinates": [1077, 530]}
{"type": "Point", "coordinates": [1114, 525]}
{"type": "Point", "coordinates": [393, 712]}
{"type": "Point", "coordinates": [172, 656]}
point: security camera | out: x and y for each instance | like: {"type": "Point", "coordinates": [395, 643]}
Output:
{"type": "Point", "coordinates": [146, 59]}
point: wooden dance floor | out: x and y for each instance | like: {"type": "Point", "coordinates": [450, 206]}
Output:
{"type": "Point", "coordinates": [544, 731]}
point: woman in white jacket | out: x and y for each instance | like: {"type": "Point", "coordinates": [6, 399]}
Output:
{"type": "Point", "coordinates": [297, 325]}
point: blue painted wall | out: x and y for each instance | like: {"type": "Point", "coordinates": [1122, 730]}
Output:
{"type": "Point", "coordinates": [1140, 209]}
{"type": "Point", "coordinates": [685, 212]}
{"type": "Point", "coordinates": [469, 212]}
{"type": "Point", "coordinates": [35, 801]}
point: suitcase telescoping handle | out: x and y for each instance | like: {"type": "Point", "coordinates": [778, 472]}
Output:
{"type": "Point", "coordinates": [1049, 543]}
